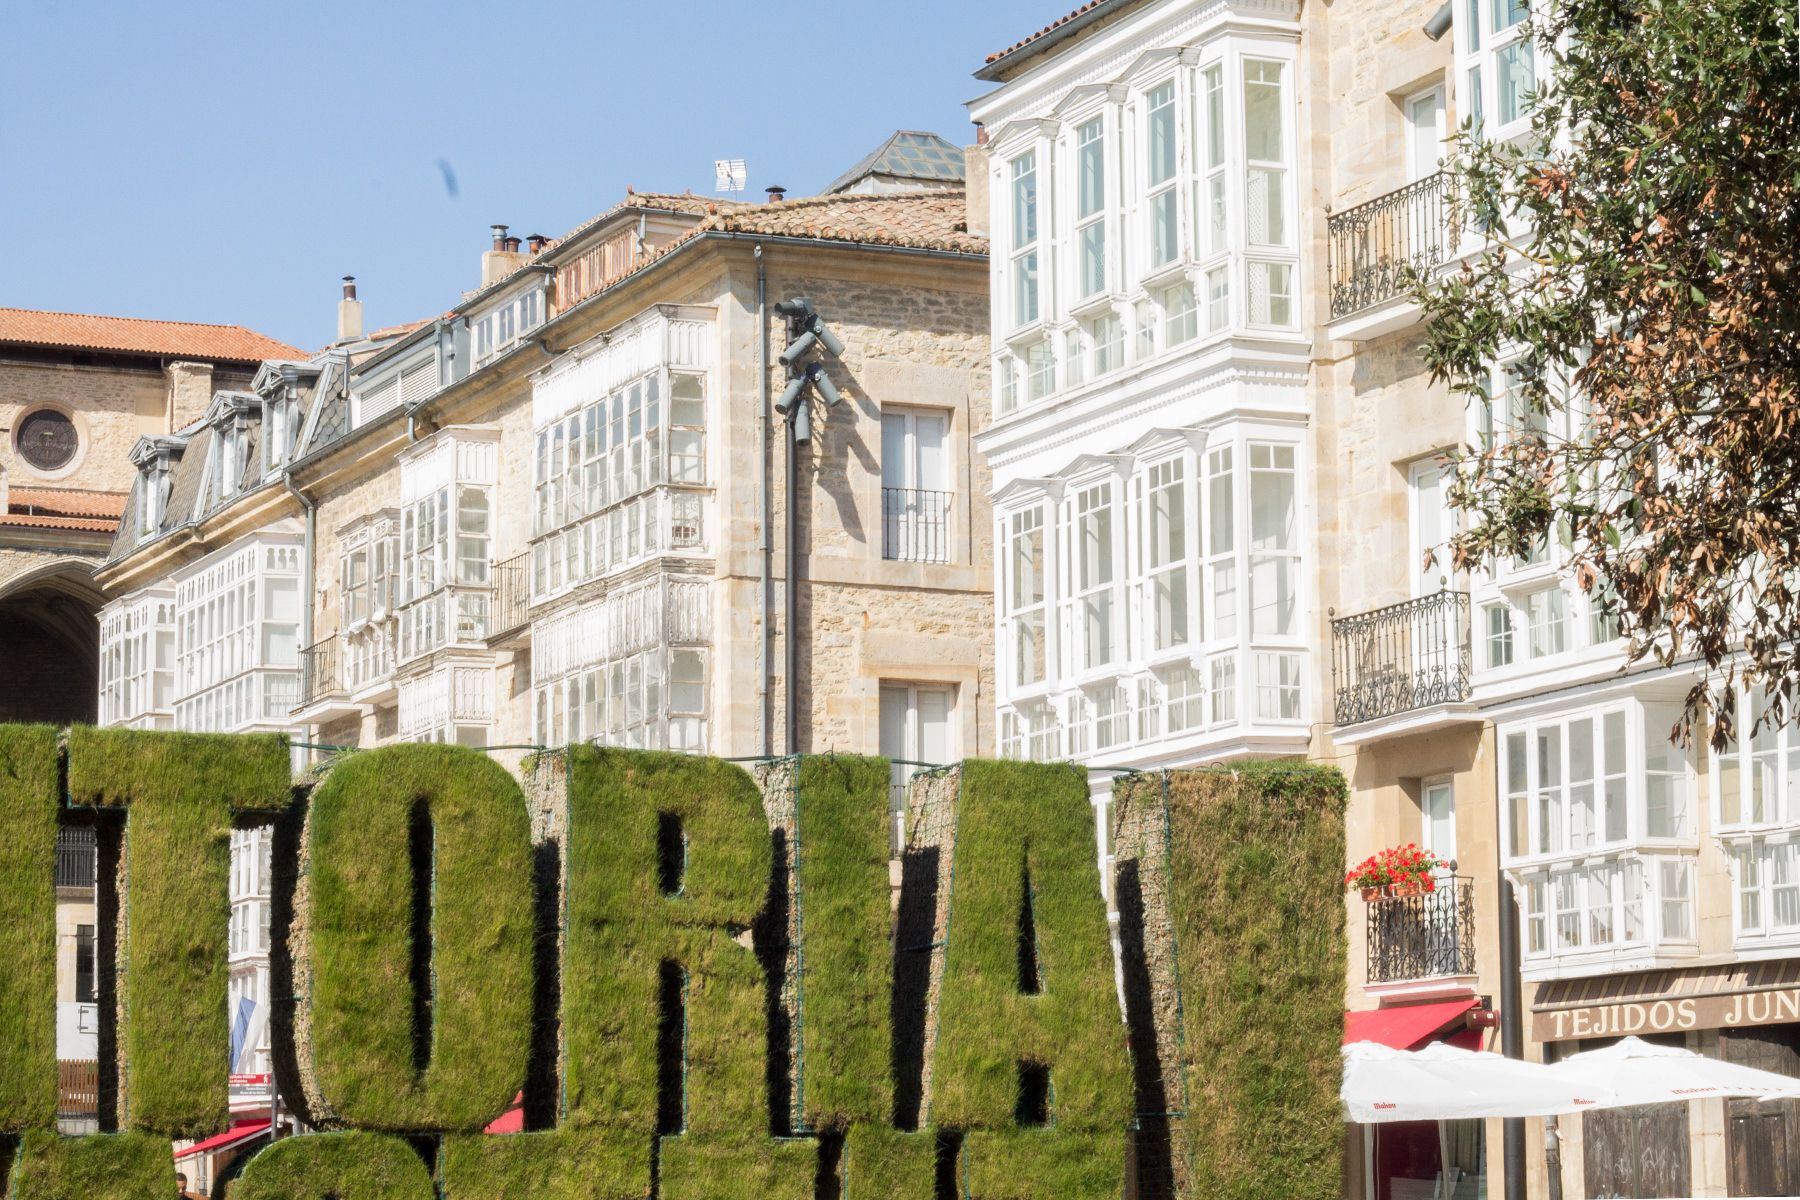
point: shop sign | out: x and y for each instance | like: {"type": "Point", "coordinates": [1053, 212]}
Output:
{"type": "Point", "coordinates": [1670, 1015]}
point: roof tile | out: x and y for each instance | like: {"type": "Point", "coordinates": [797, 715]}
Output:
{"type": "Point", "coordinates": [1046, 31]}
{"type": "Point", "coordinates": [68, 502]}
{"type": "Point", "coordinates": [133, 335]}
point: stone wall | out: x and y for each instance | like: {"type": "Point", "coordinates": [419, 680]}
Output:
{"type": "Point", "coordinates": [913, 338]}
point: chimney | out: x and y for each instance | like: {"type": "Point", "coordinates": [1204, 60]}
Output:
{"type": "Point", "coordinates": [503, 259]}
{"type": "Point", "coordinates": [536, 242]}
{"type": "Point", "coordinates": [975, 184]}
{"type": "Point", "coordinates": [350, 323]}
{"type": "Point", "coordinates": [776, 192]}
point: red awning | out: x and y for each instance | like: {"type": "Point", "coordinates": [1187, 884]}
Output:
{"type": "Point", "coordinates": [1404, 1027]}
{"type": "Point", "coordinates": [243, 1131]}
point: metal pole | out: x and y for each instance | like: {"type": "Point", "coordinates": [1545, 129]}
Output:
{"type": "Point", "coordinates": [1512, 1044]}
{"type": "Point", "coordinates": [765, 734]}
{"type": "Point", "coordinates": [791, 642]}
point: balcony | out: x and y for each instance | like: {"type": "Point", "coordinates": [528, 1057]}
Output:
{"type": "Point", "coordinates": [319, 675]}
{"type": "Point", "coordinates": [512, 597]}
{"type": "Point", "coordinates": [1427, 936]}
{"type": "Point", "coordinates": [1380, 250]}
{"type": "Point", "coordinates": [1410, 657]}
{"type": "Point", "coordinates": [915, 525]}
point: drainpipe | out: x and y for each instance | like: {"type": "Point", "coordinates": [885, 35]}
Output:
{"type": "Point", "coordinates": [311, 509]}
{"type": "Point", "coordinates": [764, 735]}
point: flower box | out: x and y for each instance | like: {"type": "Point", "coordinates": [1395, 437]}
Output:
{"type": "Point", "coordinates": [1397, 871]}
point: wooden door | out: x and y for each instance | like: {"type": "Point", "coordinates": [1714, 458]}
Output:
{"type": "Point", "coordinates": [1762, 1143]}
{"type": "Point", "coordinates": [1638, 1152]}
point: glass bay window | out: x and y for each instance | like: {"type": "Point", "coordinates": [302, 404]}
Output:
{"type": "Point", "coordinates": [1171, 198]}
{"type": "Point", "coordinates": [445, 575]}
{"type": "Point", "coordinates": [617, 479]}
{"type": "Point", "coordinates": [1600, 831]}
{"type": "Point", "coordinates": [1143, 576]}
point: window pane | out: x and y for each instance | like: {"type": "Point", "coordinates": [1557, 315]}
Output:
{"type": "Point", "coordinates": [1215, 116]}
{"type": "Point", "coordinates": [1090, 156]}
{"type": "Point", "coordinates": [1093, 257]}
{"type": "Point", "coordinates": [1264, 217]}
{"type": "Point", "coordinates": [1517, 79]}
{"type": "Point", "coordinates": [1161, 128]}
{"type": "Point", "coordinates": [1164, 233]}
{"type": "Point", "coordinates": [1024, 200]}
{"type": "Point", "coordinates": [1262, 111]}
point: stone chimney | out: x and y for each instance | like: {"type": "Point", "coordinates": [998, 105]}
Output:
{"type": "Point", "coordinates": [975, 177]}
{"type": "Point", "coordinates": [503, 259]}
{"type": "Point", "coordinates": [189, 391]}
{"type": "Point", "coordinates": [350, 325]}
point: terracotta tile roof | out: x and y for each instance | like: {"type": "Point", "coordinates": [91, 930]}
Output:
{"type": "Point", "coordinates": [69, 502]}
{"type": "Point", "coordinates": [921, 220]}
{"type": "Point", "coordinates": [82, 524]}
{"type": "Point", "coordinates": [229, 343]}
{"type": "Point", "coordinates": [918, 220]}
{"type": "Point", "coordinates": [1049, 29]}
{"type": "Point", "coordinates": [676, 202]}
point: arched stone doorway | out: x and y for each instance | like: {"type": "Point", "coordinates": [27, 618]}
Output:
{"type": "Point", "coordinates": [50, 644]}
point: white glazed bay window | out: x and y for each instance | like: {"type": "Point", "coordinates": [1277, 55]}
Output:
{"type": "Point", "coordinates": [629, 669]}
{"type": "Point", "coordinates": [446, 540]}
{"type": "Point", "coordinates": [1601, 834]}
{"type": "Point", "coordinates": [237, 645]}
{"type": "Point", "coordinates": [619, 466]}
{"type": "Point", "coordinates": [369, 588]}
{"type": "Point", "coordinates": [1172, 223]}
{"type": "Point", "coordinates": [137, 660]}
{"type": "Point", "coordinates": [1175, 586]}
{"type": "Point", "coordinates": [1499, 65]}
{"type": "Point", "coordinates": [1756, 815]}
{"type": "Point", "coordinates": [453, 701]}
{"type": "Point", "coordinates": [1528, 608]}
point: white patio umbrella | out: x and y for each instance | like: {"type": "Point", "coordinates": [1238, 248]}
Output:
{"type": "Point", "coordinates": [1633, 1071]}
{"type": "Point", "coordinates": [1447, 1083]}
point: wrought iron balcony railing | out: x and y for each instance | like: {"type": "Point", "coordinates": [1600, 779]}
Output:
{"type": "Point", "coordinates": [319, 675]}
{"type": "Point", "coordinates": [1424, 936]}
{"type": "Point", "coordinates": [915, 525]}
{"type": "Point", "coordinates": [1380, 249]}
{"type": "Point", "coordinates": [1403, 657]}
{"type": "Point", "coordinates": [512, 594]}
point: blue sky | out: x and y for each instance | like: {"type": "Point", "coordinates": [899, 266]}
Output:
{"type": "Point", "coordinates": [228, 162]}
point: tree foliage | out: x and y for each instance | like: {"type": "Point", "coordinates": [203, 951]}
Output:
{"type": "Point", "coordinates": [1638, 256]}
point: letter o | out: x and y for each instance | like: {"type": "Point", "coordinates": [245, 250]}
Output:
{"type": "Point", "coordinates": [395, 838]}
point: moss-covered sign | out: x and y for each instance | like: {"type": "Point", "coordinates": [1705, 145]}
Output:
{"type": "Point", "coordinates": [708, 981]}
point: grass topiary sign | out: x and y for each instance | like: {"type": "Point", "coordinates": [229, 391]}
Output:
{"type": "Point", "coordinates": [707, 982]}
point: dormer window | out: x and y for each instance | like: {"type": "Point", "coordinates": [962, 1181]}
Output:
{"type": "Point", "coordinates": [281, 431]}
{"type": "Point", "coordinates": [501, 329]}
{"type": "Point", "coordinates": [153, 497]}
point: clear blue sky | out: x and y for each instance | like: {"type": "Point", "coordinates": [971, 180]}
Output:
{"type": "Point", "coordinates": [228, 162]}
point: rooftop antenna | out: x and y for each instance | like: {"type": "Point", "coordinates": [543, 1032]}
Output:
{"type": "Point", "coordinates": [729, 175]}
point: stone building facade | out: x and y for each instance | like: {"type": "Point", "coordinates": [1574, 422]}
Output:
{"type": "Point", "coordinates": [76, 392]}
{"type": "Point", "coordinates": [562, 511]}
{"type": "Point", "coordinates": [1598, 880]}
